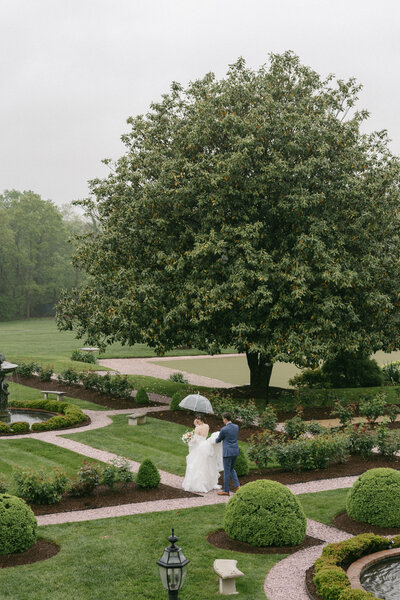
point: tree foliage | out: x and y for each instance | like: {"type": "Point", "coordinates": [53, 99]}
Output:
{"type": "Point", "coordinates": [35, 255]}
{"type": "Point", "coordinates": [248, 211]}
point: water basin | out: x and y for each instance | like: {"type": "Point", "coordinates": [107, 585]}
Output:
{"type": "Point", "coordinates": [29, 416]}
{"type": "Point", "coordinates": [383, 579]}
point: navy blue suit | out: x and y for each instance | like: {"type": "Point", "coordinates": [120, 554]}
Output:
{"type": "Point", "coordinates": [230, 451]}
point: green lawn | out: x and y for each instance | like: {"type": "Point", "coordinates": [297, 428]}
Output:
{"type": "Point", "coordinates": [33, 453]}
{"type": "Point", "coordinates": [158, 440]}
{"type": "Point", "coordinates": [41, 341]}
{"type": "Point", "coordinates": [116, 558]}
{"type": "Point", "coordinates": [323, 506]}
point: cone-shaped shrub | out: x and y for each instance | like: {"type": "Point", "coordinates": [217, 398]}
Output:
{"type": "Point", "coordinates": [148, 475]}
{"type": "Point", "coordinates": [176, 398]}
{"type": "Point", "coordinates": [375, 498]}
{"type": "Point", "coordinates": [142, 397]}
{"type": "Point", "coordinates": [265, 513]}
{"type": "Point", "coordinates": [18, 525]}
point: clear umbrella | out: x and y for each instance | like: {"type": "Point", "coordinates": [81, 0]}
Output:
{"type": "Point", "coordinates": [197, 403]}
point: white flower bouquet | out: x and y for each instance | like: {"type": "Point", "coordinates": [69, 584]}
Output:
{"type": "Point", "coordinates": [187, 436]}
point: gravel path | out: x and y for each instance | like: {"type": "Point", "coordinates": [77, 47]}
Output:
{"type": "Point", "coordinates": [146, 366]}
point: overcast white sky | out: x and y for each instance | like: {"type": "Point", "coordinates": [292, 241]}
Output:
{"type": "Point", "coordinates": [72, 71]}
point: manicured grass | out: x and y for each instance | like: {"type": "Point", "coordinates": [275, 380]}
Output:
{"type": "Point", "coordinates": [158, 440]}
{"type": "Point", "coordinates": [33, 453]}
{"type": "Point", "coordinates": [23, 392]}
{"type": "Point", "coordinates": [323, 506]}
{"type": "Point", "coordinates": [41, 341]}
{"type": "Point", "coordinates": [116, 558]}
{"type": "Point", "coordinates": [232, 369]}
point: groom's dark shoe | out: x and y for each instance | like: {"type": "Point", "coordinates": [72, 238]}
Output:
{"type": "Point", "coordinates": [236, 489]}
{"type": "Point", "coordinates": [223, 493]}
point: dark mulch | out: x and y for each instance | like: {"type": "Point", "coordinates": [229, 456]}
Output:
{"type": "Point", "coordinates": [354, 466]}
{"type": "Point", "coordinates": [220, 539]}
{"type": "Point", "coordinates": [103, 496]}
{"type": "Point", "coordinates": [78, 391]}
{"type": "Point", "coordinates": [42, 550]}
{"type": "Point", "coordinates": [310, 585]}
{"type": "Point", "coordinates": [184, 417]}
{"type": "Point", "coordinates": [346, 523]}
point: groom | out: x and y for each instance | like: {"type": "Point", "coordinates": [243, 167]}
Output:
{"type": "Point", "coordinates": [230, 451]}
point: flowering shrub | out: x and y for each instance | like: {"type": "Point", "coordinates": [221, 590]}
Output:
{"type": "Point", "coordinates": [39, 487]}
{"type": "Point", "coordinates": [268, 419]}
{"type": "Point", "coordinates": [361, 440]}
{"type": "Point", "coordinates": [373, 408]}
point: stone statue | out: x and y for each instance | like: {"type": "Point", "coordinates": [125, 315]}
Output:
{"type": "Point", "coordinates": [3, 388]}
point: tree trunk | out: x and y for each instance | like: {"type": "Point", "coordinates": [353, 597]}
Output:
{"type": "Point", "coordinates": [260, 367]}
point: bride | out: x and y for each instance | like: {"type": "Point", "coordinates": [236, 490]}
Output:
{"type": "Point", "coordinates": [204, 461]}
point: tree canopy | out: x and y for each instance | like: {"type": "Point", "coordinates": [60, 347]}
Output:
{"type": "Point", "coordinates": [252, 212]}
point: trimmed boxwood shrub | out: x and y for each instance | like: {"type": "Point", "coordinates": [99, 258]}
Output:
{"type": "Point", "coordinates": [142, 397]}
{"type": "Point", "coordinates": [4, 428]}
{"type": "Point", "coordinates": [375, 498]}
{"type": "Point", "coordinates": [353, 594]}
{"type": "Point", "coordinates": [265, 513]}
{"type": "Point", "coordinates": [174, 404]}
{"type": "Point", "coordinates": [18, 525]}
{"type": "Point", "coordinates": [19, 427]}
{"type": "Point", "coordinates": [330, 582]}
{"type": "Point", "coordinates": [242, 465]}
{"type": "Point", "coordinates": [330, 575]}
{"type": "Point", "coordinates": [148, 475]}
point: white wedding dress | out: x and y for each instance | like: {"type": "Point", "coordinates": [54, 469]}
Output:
{"type": "Point", "coordinates": [203, 463]}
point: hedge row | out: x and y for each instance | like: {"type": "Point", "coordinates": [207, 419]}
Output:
{"type": "Point", "coordinates": [70, 415]}
{"type": "Point", "coordinates": [331, 580]}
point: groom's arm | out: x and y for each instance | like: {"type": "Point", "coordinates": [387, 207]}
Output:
{"type": "Point", "coordinates": [221, 436]}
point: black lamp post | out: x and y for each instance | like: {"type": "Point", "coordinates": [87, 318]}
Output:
{"type": "Point", "coordinates": [172, 566]}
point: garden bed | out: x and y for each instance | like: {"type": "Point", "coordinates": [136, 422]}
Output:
{"type": "Point", "coordinates": [78, 391]}
{"type": "Point", "coordinates": [220, 539]}
{"type": "Point", "coordinates": [346, 523]}
{"type": "Point", "coordinates": [42, 550]}
{"type": "Point", "coordinates": [354, 466]}
{"type": "Point", "coordinates": [103, 497]}
{"type": "Point", "coordinates": [310, 585]}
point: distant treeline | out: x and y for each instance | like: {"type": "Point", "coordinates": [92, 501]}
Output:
{"type": "Point", "coordinates": [36, 244]}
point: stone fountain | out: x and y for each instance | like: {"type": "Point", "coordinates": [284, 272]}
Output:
{"type": "Point", "coordinates": [5, 368]}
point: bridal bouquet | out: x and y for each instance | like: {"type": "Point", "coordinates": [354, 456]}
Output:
{"type": "Point", "coordinates": [187, 436]}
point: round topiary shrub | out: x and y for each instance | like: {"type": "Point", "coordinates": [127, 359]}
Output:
{"type": "Point", "coordinates": [148, 475]}
{"type": "Point", "coordinates": [375, 498]}
{"type": "Point", "coordinates": [265, 513]}
{"type": "Point", "coordinates": [18, 525]}
{"type": "Point", "coordinates": [142, 397]}
{"type": "Point", "coordinates": [242, 465]}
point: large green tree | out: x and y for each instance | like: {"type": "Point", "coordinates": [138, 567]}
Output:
{"type": "Point", "coordinates": [251, 212]}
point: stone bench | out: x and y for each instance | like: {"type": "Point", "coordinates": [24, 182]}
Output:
{"type": "Point", "coordinates": [227, 572]}
{"type": "Point", "coordinates": [58, 394]}
{"type": "Point", "coordinates": [89, 349]}
{"type": "Point", "coordinates": [138, 418]}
